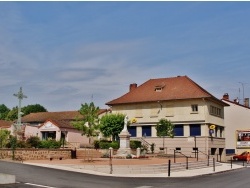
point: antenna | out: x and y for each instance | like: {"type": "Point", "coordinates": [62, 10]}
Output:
{"type": "Point", "coordinates": [243, 94]}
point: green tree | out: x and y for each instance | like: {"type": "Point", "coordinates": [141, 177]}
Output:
{"type": "Point", "coordinates": [88, 125]}
{"type": "Point", "coordinates": [112, 125]}
{"type": "Point", "coordinates": [4, 110]}
{"type": "Point", "coordinates": [33, 108]}
{"type": "Point", "coordinates": [165, 128]}
{"type": "Point", "coordinates": [4, 136]}
{"type": "Point", "coordinates": [12, 114]}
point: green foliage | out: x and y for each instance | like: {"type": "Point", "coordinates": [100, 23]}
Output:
{"type": "Point", "coordinates": [33, 108]}
{"type": "Point", "coordinates": [134, 144]}
{"type": "Point", "coordinates": [165, 128]}
{"type": "Point", "coordinates": [104, 144]}
{"type": "Point", "coordinates": [21, 144]}
{"type": "Point", "coordinates": [4, 136]}
{"type": "Point", "coordinates": [50, 144]}
{"type": "Point", "coordinates": [112, 125]}
{"type": "Point", "coordinates": [4, 110]}
{"type": "Point", "coordinates": [96, 144]}
{"type": "Point", "coordinates": [88, 125]}
{"type": "Point", "coordinates": [33, 141]}
{"type": "Point", "coordinates": [12, 114]}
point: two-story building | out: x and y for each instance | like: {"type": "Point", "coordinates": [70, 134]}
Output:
{"type": "Point", "coordinates": [182, 101]}
{"type": "Point", "coordinates": [237, 121]}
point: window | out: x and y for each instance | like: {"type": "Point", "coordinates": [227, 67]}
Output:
{"type": "Point", "coordinates": [194, 108]}
{"type": "Point", "coordinates": [146, 130]}
{"type": "Point", "coordinates": [178, 130]}
{"type": "Point", "coordinates": [215, 111]}
{"type": "Point", "coordinates": [132, 131]}
{"type": "Point", "coordinates": [195, 130]}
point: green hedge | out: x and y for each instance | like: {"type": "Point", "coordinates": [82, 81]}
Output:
{"type": "Point", "coordinates": [104, 144]}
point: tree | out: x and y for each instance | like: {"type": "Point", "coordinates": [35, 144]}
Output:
{"type": "Point", "coordinates": [4, 136]}
{"type": "Point", "coordinates": [33, 108]}
{"type": "Point", "coordinates": [88, 125]}
{"type": "Point", "coordinates": [12, 114]}
{"type": "Point", "coordinates": [112, 125]}
{"type": "Point", "coordinates": [4, 110]}
{"type": "Point", "coordinates": [165, 128]}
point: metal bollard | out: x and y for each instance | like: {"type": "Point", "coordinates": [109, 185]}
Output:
{"type": "Point", "coordinates": [169, 167]}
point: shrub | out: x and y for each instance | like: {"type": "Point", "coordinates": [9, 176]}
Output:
{"type": "Point", "coordinates": [114, 145]}
{"type": "Point", "coordinates": [96, 144]}
{"type": "Point", "coordinates": [104, 144]}
{"type": "Point", "coordinates": [134, 144]}
{"type": "Point", "coordinates": [33, 141]}
{"type": "Point", "coordinates": [50, 143]}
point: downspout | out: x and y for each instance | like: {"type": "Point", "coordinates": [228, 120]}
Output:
{"type": "Point", "coordinates": [206, 138]}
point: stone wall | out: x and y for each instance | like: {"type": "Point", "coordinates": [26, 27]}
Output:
{"type": "Point", "coordinates": [35, 154]}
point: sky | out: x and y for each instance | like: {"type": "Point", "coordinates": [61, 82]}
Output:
{"type": "Point", "coordinates": [64, 54]}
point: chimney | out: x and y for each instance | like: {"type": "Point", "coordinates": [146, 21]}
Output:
{"type": "Point", "coordinates": [246, 102]}
{"type": "Point", "coordinates": [226, 96]}
{"type": "Point", "coordinates": [132, 87]}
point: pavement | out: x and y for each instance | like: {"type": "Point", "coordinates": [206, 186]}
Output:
{"type": "Point", "coordinates": [84, 166]}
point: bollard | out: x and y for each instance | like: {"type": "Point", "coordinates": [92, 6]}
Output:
{"type": "Point", "coordinates": [169, 167]}
{"type": "Point", "coordinates": [138, 152]}
{"type": "Point", "coordinates": [110, 159]}
{"type": "Point", "coordinates": [231, 162]}
{"type": "Point", "coordinates": [186, 162]}
{"type": "Point", "coordinates": [214, 164]}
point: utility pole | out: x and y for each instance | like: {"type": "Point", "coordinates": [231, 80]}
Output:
{"type": "Point", "coordinates": [20, 97]}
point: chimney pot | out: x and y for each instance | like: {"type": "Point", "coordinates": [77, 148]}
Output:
{"type": "Point", "coordinates": [132, 86]}
{"type": "Point", "coordinates": [226, 96]}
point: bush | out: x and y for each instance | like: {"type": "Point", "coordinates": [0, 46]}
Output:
{"type": "Point", "coordinates": [134, 144]}
{"type": "Point", "coordinates": [104, 144]}
{"type": "Point", "coordinates": [50, 143]}
{"type": "Point", "coordinates": [96, 144]}
{"type": "Point", "coordinates": [33, 141]}
{"type": "Point", "coordinates": [114, 145]}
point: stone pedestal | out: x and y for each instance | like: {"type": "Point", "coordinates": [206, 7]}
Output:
{"type": "Point", "coordinates": [124, 149]}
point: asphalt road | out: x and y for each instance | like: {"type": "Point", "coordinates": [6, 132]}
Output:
{"type": "Point", "coordinates": [29, 176]}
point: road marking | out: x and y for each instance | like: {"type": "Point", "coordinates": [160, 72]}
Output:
{"type": "Point", "coordinates": [39, 185]}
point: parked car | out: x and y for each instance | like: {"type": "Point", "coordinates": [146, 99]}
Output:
{"type": "Point", "coordinates": [241, 157]}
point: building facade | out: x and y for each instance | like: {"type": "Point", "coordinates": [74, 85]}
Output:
{"type": "Point", "coordinates": [187, 105]}
{"type": "Point", "coordinates": [237, 121]}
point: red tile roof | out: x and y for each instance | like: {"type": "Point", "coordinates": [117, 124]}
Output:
{"type": "Point", "coordinates": [175, 88]}
{"type": "Point", "coordinates": [5, 124]}
{"type": "Point", "coordinates": [41, 117]}
{"type": "Point", "coordinates": [61, 123]}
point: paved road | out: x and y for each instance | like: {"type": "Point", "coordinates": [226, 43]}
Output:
{"type": "Point", "coordinates": [51, 178]}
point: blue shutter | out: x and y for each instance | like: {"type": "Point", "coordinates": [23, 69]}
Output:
{"type": "Point", "coordinates": [132, 131]}
{"type": "Point", "coordinates": [146, 130]}
{"type": "Point", "coordinates": [178, 130]}
{"type": "Point", "coordinates": [195, 130]}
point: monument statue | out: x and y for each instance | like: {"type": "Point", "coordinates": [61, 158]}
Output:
{"type": "Point", "coordinates": [125, 128]}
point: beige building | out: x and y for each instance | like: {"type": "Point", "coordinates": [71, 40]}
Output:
{"type": "Point", "coordinates": [237, 121]}
{"type": "Point", "coordinates": [186, 104]}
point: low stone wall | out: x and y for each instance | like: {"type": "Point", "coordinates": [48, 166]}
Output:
{"type": "Point", "coordinates": [35, 154]}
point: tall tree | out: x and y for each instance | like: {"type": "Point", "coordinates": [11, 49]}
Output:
{"type": "Point", "coordinates": [33, 108]}
{"type": "Point", "coordinates": [88, 125]}
{"type": "Point", "coordinates": [4, 110]}
{"type": "Point", "coordinates": [12, 114]}
{"type": "Point", "coordinates": [112, 125]}
{"type": "Point", "coordinates": [165, 128]}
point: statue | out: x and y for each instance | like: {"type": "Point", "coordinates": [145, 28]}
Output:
{"type": "Point", "coordinates": [125, 123]}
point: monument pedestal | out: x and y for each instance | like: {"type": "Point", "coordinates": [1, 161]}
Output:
{"type": "Point", "coordinates": [124, 149]}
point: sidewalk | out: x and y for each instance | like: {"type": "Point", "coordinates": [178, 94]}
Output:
{"type": "Point", "coordinates": [79, 165]}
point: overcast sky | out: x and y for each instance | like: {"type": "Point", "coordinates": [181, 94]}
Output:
{"type": "Point", "coordinates": [64, 54]}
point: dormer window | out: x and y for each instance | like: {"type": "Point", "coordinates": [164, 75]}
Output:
{"type": "Point", "coordinates": [159, 88]}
